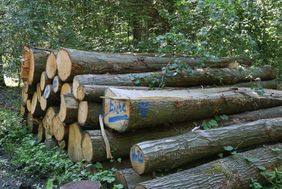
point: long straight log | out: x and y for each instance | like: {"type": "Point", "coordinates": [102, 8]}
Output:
{"type": "Point", "coordinates": [197, 77]}
{"type": "Point", "coordinates": [33, 64]}
{"type": "Point", "coordinates": [94, 148]}
{"type": "Point", "coordinates": [88, 114]}
{"type": "Point", "coordinates": [71, 62]}
{"type": "Point", "coordinates": [93, 93]}
{"type": "Point", "coordinates": [68, 108]}
{"type": "Point", "coordinates": [126, 110]}
{"type": "Point", "coordinates": [129, 178]}
{"type": "Point", "coordinates": [231, 172]}
{"type": "Point", "coordinates": [51, 66]}
{"type": "Point", "coordinates": [176, 151]}
{"type": "Point", "coordinates": [74, 142]}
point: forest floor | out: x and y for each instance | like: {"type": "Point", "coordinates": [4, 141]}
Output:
{"type": "Point", "coordinates": [10, 175]}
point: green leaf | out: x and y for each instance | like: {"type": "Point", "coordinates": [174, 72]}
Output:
{"type": "Point", "coordinates": [98, 165]}
{"type": "Point", "coordinates": [261, 168]}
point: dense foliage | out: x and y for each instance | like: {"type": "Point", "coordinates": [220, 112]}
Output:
{"type": "Point", "coordinates": [190, 27]}
{"type": "Point", "coordinates": [30, 157]}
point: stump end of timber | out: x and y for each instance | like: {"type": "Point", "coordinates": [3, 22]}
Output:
{"type": "Point", "coordinates": [56, 84]}
{"type": "Point", "coordinates": [137, 159]}
{"type": "Point", "coordinates": [80, 93]}
{"type": "Point", "coordinates": [82, 112]}
{"type": "Point", "coordinates": [66, 88]}
{"type": "Point", "coordinates": [51, 66]}
{"type": "Point", "coordinates": [87, 147]}
{"type": "Point", "coordinates": [43, 80]}
{"type": "Point", "coordinates": [74, 144]}
{"type": "Point", "coordinates": [43, 103]}
{"type": "Point", "coordinates": [25, 66]}
{"type": "Point", "coordinates": [116, 114]}
{"type": "Point", "coordinates": [59, 129]}
{"type": "Point", "coordinates": [34, 102]}
{"type": "Point", "coordinates": [47, 91]}
{"type": "Point", "coordinates": [64, 64]}
{"type": "Point", "coordinates": [38, 91]}
{"type": "Point", "coordinates": [75, 85]}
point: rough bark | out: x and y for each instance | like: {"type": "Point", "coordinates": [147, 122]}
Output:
{"type": "Point", "coordinates": [173, 152]}
{"type": "Point", "coordinates": [74, 143]}
{"type": "Point", "coordinates": [93, 93]}
{"type": "Point", "coordinates": [197, 77]}
{"type": "Point", "coordinates": [126, 110]}
{"type": "Point", "coordinates": [94, 148]}
{"type": "Point", "coordinates": [88, 114]}
{"type": "Point", "coordinates": [129, 178]}
{"type": "Point", "coordinates": [51, 66]}
{"type": "Point", "coordinates": [68, 108]}
{"type": "Point", "coordinates": [34, 64]}
{"type": "Point", "coordinates": [231, 172]}
{"type": "Point", "coordinates": [72, 62]}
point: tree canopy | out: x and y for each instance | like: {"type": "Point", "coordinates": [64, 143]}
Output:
{"type": "Point", "coordinates": [181, 27]}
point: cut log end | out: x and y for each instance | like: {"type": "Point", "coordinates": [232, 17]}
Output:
{"type": "Point", "coordinates": [64, 64]}
{"type": "Point", "coordinates": [66, 89]}
{"type": "Point", "coordinates": [43, 103]}
{"type": "Point", "coordinates": [75, 85]}
{"type": "Point", "coordinates": [59, 129]}
{"type": "Point", "coordinates": [137, 159]}
{"type": "Point", "coordinates": [80, 93]}
{"type": "Point", "coordinates": [25, 64]}
{"type": "Point", "coordinates": [44, 80]}
{"type": "Point", "coordinates": [38, 91]}
{"type": "Point", "coordinates": [87, 147]}
{"type": "Point", "coordinates": [82, 112]}
{"type": "Point", "coordinates": [28, 105]}
{"type": "Point", "coordinates": [47, 91]}
{"type": "Point", "coordinates": [56, 84]}
{"type": "Point", "coordinates": [74, 144]}
{"type": "Point", "coordinates": [51, 66]}
{"type": "Point", "coordinates": [41, 133]}
{"type": "Point", "coordinates": [116, 114]}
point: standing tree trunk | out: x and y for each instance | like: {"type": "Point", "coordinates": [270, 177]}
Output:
{"type": "Point", "coordinates": [236, 171]}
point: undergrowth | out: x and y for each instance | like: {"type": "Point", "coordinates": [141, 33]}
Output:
{"type": "Point", "coordinates": [34, 158]}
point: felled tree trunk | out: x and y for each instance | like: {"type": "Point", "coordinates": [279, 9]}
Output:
{"type": "Point", "coordinates": [48, 118]}
{"type": "Point", "coordinates": [57, 84]}
{"type": "Point", "coordinates": [129, 178]}
{"type": "Point", "coordinates": [74, 144]}
{"type": "Point", "coordinates": [176, 151]}
{"type": "Point", "coordinates": [35, 106]}
{"type": "Point", "coordinates": [197, 77]}
{"type": "Point", "coordinates": [71, 62]}
{"type": "Point", "coordinates": [34, 64]}
{"type": "Point", "coordinates": [44, 80]}
{"type": "Point", "coordinates": [126, 110]}
{"type": "Point", "coordinates": [88, 114]}
{"type": "Point", "coordinates": [60, 129]}
{"type": "Point", "coordinates": [94, 148]}
{"type": "Point", "coordinates": [32, 123]}
{"type": "Point", "coordinates": [41, 133]}
{"type": "Point", "coordinates": [236, 171]}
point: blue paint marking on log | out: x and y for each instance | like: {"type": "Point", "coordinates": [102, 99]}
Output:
{"type": "Point", "coordinates": [143, 108]}
{"type": "Point", "coordinates": [117, 106]}
{"type": "Point", "coordinates": [137, 157]}
{"type": "Point", "coordinates": [118, 118]}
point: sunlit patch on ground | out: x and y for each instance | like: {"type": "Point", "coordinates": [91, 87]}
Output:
{"type": "Point", "coordinates": [11, 82]}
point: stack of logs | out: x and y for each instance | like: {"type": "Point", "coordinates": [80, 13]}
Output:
{"type": "Point", "coordinates": [101, 106]}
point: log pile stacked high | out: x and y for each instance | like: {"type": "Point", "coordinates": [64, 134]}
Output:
{"type": "Point", "coordinates": [100, 106]}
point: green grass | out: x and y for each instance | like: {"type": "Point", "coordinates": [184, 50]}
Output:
{"type": "Point", "coordinates": [35, 159]}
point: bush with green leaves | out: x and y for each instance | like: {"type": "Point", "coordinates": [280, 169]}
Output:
{"type": "Point", "coordinates": [36, 159]}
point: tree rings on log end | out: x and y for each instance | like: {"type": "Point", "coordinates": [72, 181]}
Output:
{"type": "Point", "coordinates": [75, 85]}
{"type": "Point", "coordinates": [44, 80]}
{"type": "Point", "coordinates": [43, 103]}
{"type": "Point", "coordinates": [80, 93]}
{"type": "Point", "coordinates": [82, 112]}
{"type": "Point", "coordinates": [66, 89]}
{"type": "Point", "coordinates": [59, 129]}
{"type": "Point", "coordinates": [87, 147]}
{"type": "Point", "coordinates": [74, 144]}
{"type": "Point", "coordinates": [64, 64]}
{"type": "Point", "coordinates": [51, 66]}
{"type": "Point", "coordinates": [137, 159]}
